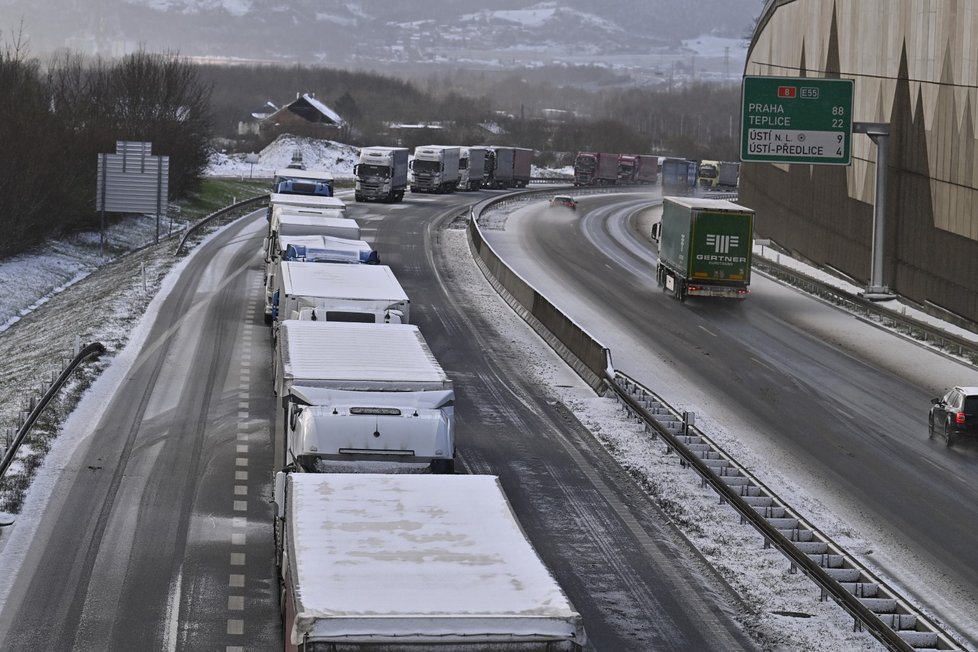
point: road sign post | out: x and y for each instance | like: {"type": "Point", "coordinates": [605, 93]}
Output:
{"type": "Point", "coordinates": [879, 132]}
{"type": "Point", "coordinates": [796, 120]}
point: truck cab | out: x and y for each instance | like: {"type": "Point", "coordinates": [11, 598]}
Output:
{"type": "Point", "coordinates": [334, 430]}
{"type": "Point", "coordinates": [381, 174]}
{"type": "Point", "coordinates": [435, 169]}
{"type": "Point", "coordinates": [299, 181]}
{"type": "Point", "coordinates": [708, 175]}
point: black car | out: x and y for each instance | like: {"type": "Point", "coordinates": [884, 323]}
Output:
{"type": "Point", "coordinates": [955, 415]}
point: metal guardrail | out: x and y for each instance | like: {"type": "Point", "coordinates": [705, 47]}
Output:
{"type": "Point", "coordinates": [94, 349]}
{"type": "Point", "coordinates": [875, 607]}
{"type": "Point", "coordinates": [873, 311]}
{"type": "Point", "coordinates": [259, 199]}
{"type": "Point", "coordinates": [890, 619]}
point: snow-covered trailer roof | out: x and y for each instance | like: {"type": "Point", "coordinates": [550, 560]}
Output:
{"type": "Point", "coordinates": [326, 248]}
{"type": "Point", "coordinates": [318, 224]}
{"type": "Point", "coordinates": [356, 282]}
{"type": "Point", "coordinates": [298, 173]}
{"type": "Point", "coordinates": [355, 356]}
{"type": "Point", "coordinates": [404, 559]}
{"type": "Point", "coordinates": [310, 201]}
{"type": "Point", "coordinates": [707, 204]}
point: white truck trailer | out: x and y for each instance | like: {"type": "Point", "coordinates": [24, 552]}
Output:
{"type": "Point", "coordinates": [312, 249]}
{"type": "Point", "coordinates": [435, 169]}
{"type": "Point", "coordinates": [425, 563]}
{"type": "Point", "coordinates": [354, 393]}
{"type": "Point", "coordinates": [303, 201]}
{"type": "Point", "coordinates": [306, 222]}
{"type": "Point", "coordinates": [381, 174]}
{"type": "Point", "coordinates": [312, 205]}
{"type": "Point", "coordinates": [471, 167]}
{"type": "Point", "coordinates": [357, 293]}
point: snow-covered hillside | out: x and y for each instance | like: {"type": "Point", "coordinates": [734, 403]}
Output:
{"type": "Point", "coordinates": [329, 156]}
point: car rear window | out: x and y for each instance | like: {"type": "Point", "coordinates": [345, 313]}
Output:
{"type": "Point", "coordinates": [971, 404]}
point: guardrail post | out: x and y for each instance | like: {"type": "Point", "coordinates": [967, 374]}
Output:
{"type": "Point", "coordinates": [689, 419]}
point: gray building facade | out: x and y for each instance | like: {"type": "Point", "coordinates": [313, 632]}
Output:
{"type": "Point", "coordinates": [914, 64]}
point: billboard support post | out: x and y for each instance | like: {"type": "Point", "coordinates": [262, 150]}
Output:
{"type": "Point", "coordinates": [879, 132]}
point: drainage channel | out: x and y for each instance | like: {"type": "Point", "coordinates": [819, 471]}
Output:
{"type": "Point", "coordinates": [875, 607]}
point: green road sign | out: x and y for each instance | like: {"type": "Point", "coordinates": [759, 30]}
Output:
{"type": "Point", "coordinates": [796, 120]}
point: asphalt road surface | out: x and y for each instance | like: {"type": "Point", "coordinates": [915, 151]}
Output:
{"type": "Point", "coordinates": [158, 535]}
{"type": "Point", "coordinates": [841, 403]}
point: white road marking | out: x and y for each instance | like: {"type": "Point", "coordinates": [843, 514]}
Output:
{"type": "Point", "coordinates": [173, 613]}
{"type": "Point", "coordinates": [706, 331]}
{"type": "Point", "coordinates": [762, 364]}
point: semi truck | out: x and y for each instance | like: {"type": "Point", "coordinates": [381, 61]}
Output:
{"type": "Point", "coordinates": [627, 169]}
{"type": "Point", "coordinates": [678, 176]}
{"type": "Point", "coordinates": [381, 174]}
{"type": "Point", "coordinates": [647, 168]}
{"type": "Point", "coordinates": [327, 249]}
{"type": "Point", "coordinates": [435, 169]}
{"type": "Point", "coordinates": [357, 397]}
{"type": "Point", "coordinates": [299, 181]}
{"type": "Point", "coordinates": [729, 174]}
{"type": "Point", "coordinates": [595, 169]}
{"type": "Point", "coordinates": [324, 247]}
{"type": "Point", "coordinates": [351, 293]}
{"type": "Point", "coordinates": [427, 563]}
{"type": "Point", "coordinates": [522, 166]}
{"type": "Point", "coordinates": [287, 220]}
{"type": "Point", "coordinates": [302, 203]}
{"type": "Point", "coordinates": [705, 248]}
{"type": "Point", "coordinates": [500, 173]}
{"type": "Point", "coordinates": [471, 167]}
{"type": "Point", "coordinates": [708, 175]}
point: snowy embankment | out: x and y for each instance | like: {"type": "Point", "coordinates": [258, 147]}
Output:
{"type": "Point", "coordinates": [329, 156]}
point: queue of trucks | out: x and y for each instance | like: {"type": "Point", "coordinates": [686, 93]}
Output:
{"type": "Point", "coordinates": [379, 545]}
{"type": "Point", "coordinates": [607, 169]}
{"type": "Point", "coordinates": [383, 174]}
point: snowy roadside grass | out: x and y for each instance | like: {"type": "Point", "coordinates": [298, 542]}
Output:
{"type": "Point", "coordinates": [104, 306]}
{"type": "Point", "coordinates": [787, 612]}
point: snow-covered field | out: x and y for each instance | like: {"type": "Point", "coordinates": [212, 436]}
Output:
{"type": "Point", "coordinates": [61, 297]}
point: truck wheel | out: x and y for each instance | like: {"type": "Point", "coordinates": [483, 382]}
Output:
{"type": "Point", "coordinates": [358, 197]}
{"type": "Point", "coordinates": [268, 319]}
{"type": "Point", "coordinates": [399, 196]}
{"type": "Point", "coordinates": [681, 291]}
